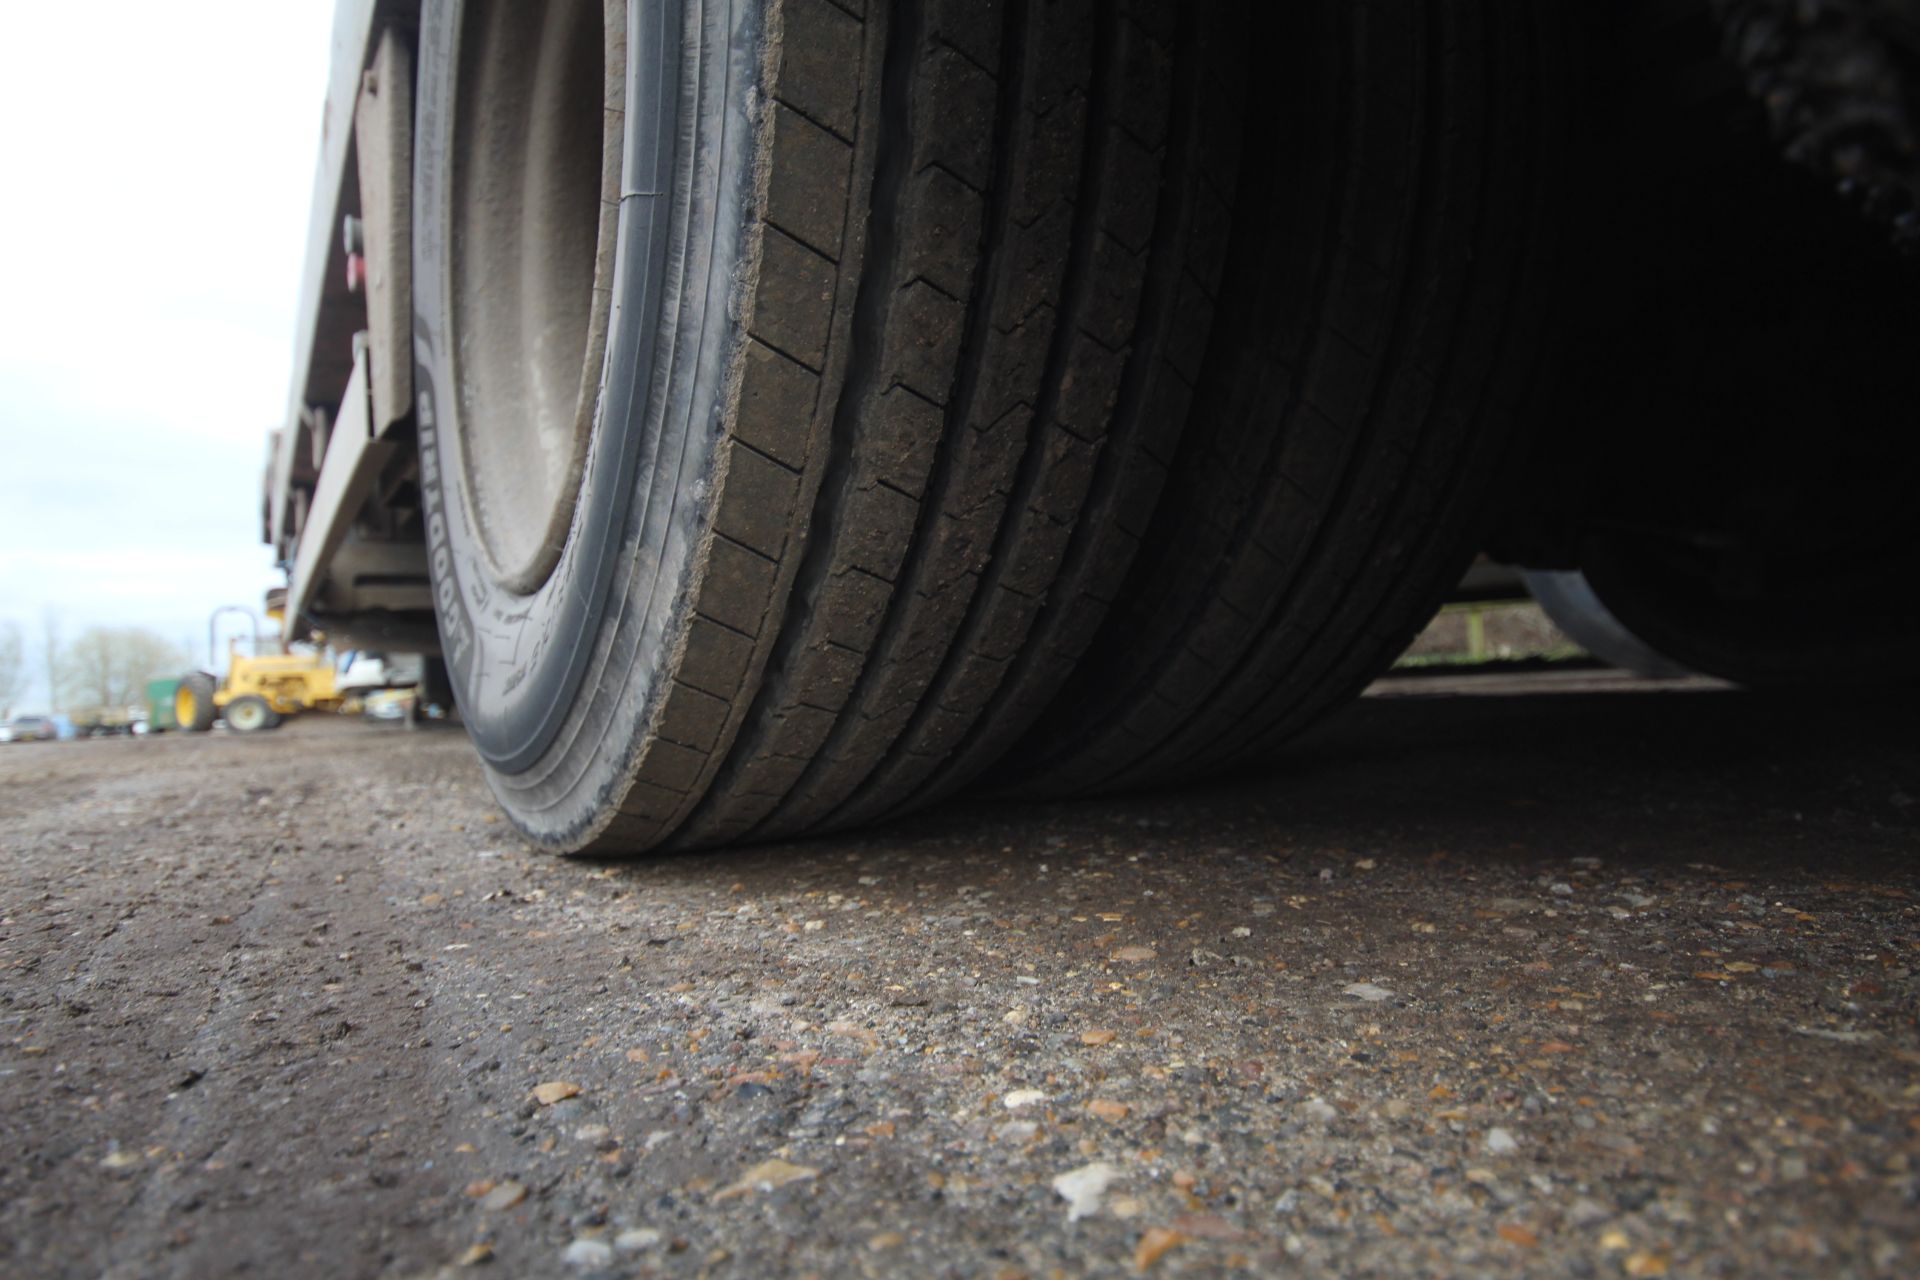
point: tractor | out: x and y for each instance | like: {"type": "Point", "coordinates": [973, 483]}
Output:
{"type": "Point", "coordinates": [261, 689]}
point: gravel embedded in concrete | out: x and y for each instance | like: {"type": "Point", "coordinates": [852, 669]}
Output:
{"type": "Point", "coordinates": [1613, 985]}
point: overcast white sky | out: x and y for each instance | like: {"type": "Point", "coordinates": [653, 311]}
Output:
{"type": "Point", "coordinates": [157, 165]}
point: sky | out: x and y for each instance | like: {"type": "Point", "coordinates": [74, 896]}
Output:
{"type": "Point", "coordinates": [157, 164]}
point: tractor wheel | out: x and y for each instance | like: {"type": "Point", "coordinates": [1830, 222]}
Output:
{"type": "Point", "coordinates": [193, 708]}
{"type": "Point", "coordinates": [251, 713]}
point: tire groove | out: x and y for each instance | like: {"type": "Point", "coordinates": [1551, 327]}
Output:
{"type": "Point", "coordinates": [1065, 757]}
{"type": "Point", "coordinates": [975, 344]}
{"type": "Point", "coordinates": [1013, 703]}
{"type": "Point", "coordinates": [1374, 437]}
{"type": "Point", "coordinates": [1319, 697]}
{"type": "Point", "coordinates": [892, 162]}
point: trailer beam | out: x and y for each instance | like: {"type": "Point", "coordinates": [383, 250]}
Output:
{"type": "Point", "coordinates": [355, 457]}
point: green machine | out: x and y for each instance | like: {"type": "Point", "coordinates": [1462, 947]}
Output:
{"type": "Point", "coordinates": [160, 695]}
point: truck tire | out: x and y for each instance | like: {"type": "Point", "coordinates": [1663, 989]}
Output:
{"type": "Point", "coordinates": [792, 413]}
{"type": "Point", "coordinates": [1570, 603]}
{"type": "Point", "coordinates": [1865, 633]}
{"type": "Point", "coordinates": [1393, 314]}
{"type": "Point", "coordinates": [193, 708]}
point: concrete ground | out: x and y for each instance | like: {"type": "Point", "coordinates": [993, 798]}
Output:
{"type": "Point", "coordinates": [1485, 982]}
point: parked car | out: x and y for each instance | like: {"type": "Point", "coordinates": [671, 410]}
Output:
{"type": "Point", "coordinates": [30, 729]}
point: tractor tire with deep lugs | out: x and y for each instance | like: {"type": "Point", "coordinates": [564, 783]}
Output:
{"type": "Point", "coordinates": [793, 411]}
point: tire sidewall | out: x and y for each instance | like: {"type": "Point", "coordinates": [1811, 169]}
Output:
{"type": "Point", "coordinates": [557, 685]}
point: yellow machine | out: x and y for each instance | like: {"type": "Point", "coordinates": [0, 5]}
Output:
{"type": "Point", "coordinates": [260, 690]}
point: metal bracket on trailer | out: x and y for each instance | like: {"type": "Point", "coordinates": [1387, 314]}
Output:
{"type": "Point", "coordinates": [383, 137]}
{"type": "Point", "coordinates": [356, 454]}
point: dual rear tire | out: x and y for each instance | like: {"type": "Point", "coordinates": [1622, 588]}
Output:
{"type": "Point", "coordinates": [818, 414]}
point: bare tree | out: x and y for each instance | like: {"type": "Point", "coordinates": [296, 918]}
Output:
{"type": "Point", "coordinates": [13, 664]}
{"type": "Point", "coordinates": [50, 657]}
{"type": "Point", "coordinates": [110, 666]}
